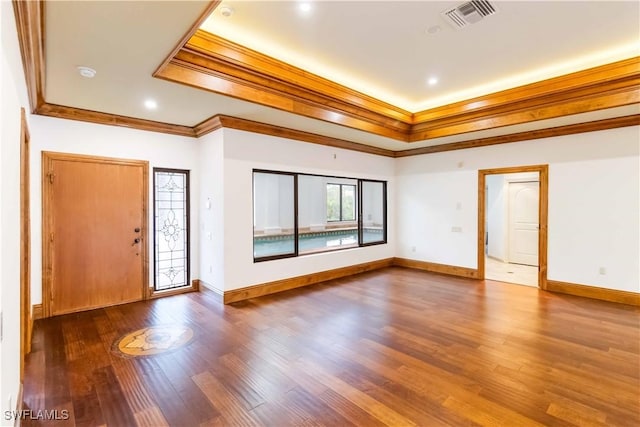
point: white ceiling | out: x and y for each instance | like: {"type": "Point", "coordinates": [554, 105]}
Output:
{"type": "Point", "coordinates": [384, 49]}
{"type": "Point", "coordinates": [384, 45]}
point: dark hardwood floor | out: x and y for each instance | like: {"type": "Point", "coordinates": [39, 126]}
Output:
{"type": "Point", "coordinates": [393, 347]}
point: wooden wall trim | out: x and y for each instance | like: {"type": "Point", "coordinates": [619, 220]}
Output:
{"type": "Point", "coordinates": [282, 132]}
{"type": "Point", "coordinates": [210, 62]}
{"type": "Point", "coordinates": [207, 126]}
{"type": "Point", "coordinates": [613, 76]}
{"type": "Point", "coordinates": [208, 288]}
{"type": "Point", "coordinates": [432, 267]}
{"type": "Point", "coordinates": [288, 88]}
{"type": "Point", "coordinates": [543, 215]}
{"type": "Point", "coordinates": [243, 64]}
{"type": "Point", "coordinates": [211, 7]}
{"type": "Point", "coordinates": [297, 282]}
{"type": "Point", "coordinates": [71, 113]}
{"type": "Point", "coordinates": [37, 312]}
{"type": "Point", "coordinates": [612, 295]}
{"type": "Point", "coordinates": [294, 90]}
{"type": "Point", "coordinates": [200, 77]}
{"type": "Point", "coordinates": [612, 123]}
{"type": "Point", "coordinates": [29, 17]}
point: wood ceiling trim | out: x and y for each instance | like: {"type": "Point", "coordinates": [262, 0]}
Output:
{"type": "Point", "coordinates": [201, 78]}
{"type": "Point", "coordinates": [246, 62]}
{"type": "Point", "coordinates": [203, 17]}
{"type": "Point", "coordinates": [599, 78]}
{"type": "Point", "coordinates": [228, 122]}
{"type": "Point", "coordinates": [29, 17]}
{"type": "Point", "coordinates": [613, 98]}
{"type": "Point", "coordinates": [589, 90]}
{"type": "Point", "coordinates": [612, 123]}
{"type": "Point", "coordinates": [213, 63]}
{"type": "Point", "coordinates": [71, 113]}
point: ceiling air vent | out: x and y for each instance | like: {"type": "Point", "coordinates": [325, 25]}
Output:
{"type": "Point", "coordinates": [468, 13]}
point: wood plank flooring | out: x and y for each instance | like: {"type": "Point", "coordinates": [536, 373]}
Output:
{"type": "Point", "coordinates": [394, 347]}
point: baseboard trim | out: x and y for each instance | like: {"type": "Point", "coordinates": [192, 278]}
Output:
{"type": "Point", "coordinates": [36, 312]}
{"type": "Point", "coordinates": [300, 281]}
{"type": "Point", "coordinates": [206, 287]}
{"type": "Point", "coordinates": [432, 267]}
{"type": "Point", "coordinates": [612, 295]}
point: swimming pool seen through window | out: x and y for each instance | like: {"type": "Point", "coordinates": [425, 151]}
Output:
{"type": "Point", "coordinates": [297, 214]}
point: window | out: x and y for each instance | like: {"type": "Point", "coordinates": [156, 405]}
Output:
{"type": "Point", "coordinates": [374, 211]}
{"type": "Point", "coordinates": [274, 215]}
{"type": "Point", "coordinates": [298, 214]}
{"type": "Point", "coordinates": [341, 202]}
{"type": "Point", "coordinates": [171, 228]}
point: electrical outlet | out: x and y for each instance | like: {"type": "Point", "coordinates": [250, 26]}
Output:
{"type": "Point", "coordinates": [456, 229]}
{"type": "Point", "coordinates": [413, 248]}
{"type": "Point", "coordinates": [211, 269]}
{"type": "Point", "coordinates": [602, 271]}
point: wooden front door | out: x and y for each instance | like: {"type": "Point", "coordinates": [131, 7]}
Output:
{"type": "Point", "coordinates": [94, 232]}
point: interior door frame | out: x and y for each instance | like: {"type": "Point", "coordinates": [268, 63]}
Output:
{"type": "Point", "coordinates": [48, 157]}
{"type": "Point", "coordinates": [543, 207]}
{"type": "Point", "coordinates": [26, 318]}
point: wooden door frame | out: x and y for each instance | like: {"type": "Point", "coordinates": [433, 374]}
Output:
{"type": "Point", "coordinates": [47, 221]}
{"type": "Point", "coordinates": [26, 319]}
{"type": "Point", "coordinates": [543, 208]}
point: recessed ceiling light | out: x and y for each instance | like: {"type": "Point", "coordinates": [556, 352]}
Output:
{"type": "Point", "coordinates": [432, 81]}
{"type": "Point", "coordinates": [150, 104]}
{"type": "Point", "coordinates": [304, 7]}
{"type": "Point", "coordinates": [87, 72]}
{"type": "Point", "coordinates": [226, 11]}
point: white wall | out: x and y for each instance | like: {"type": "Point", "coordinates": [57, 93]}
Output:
{"type": "Point", "coordinates": [68, 136]}
{"type": "Point", "coordinates": [13, 96]}
{"type": "Point", "coordinates": [211, 195]}
{"type": "Point", "coordinates": [243, 152]}
{"type": "Point", "coordinates": [594, 184]}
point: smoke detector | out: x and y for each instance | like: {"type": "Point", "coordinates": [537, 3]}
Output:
{"type": "Point", "coordinates": [226, 11]}
{"type": "Point", "coordinates": [86, 72]}
{"type": "Point", "coordinates": [468, 13]}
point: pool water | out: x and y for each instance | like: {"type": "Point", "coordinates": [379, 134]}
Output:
{"type": "Point", "coordinates": [310, 242]}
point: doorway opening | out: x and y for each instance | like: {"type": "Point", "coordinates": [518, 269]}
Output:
{"type": "Point", "coordinates": [512, 226]}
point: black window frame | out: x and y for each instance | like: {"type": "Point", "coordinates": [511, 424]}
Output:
{"type": "Point", "coordinates": [358, 220]}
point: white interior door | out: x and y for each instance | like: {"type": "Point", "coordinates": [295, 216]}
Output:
{"type": "Point", "coordinates": [523, 222]}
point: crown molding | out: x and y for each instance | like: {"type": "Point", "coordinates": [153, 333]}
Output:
{"type": "Point", "coordinates": [598, 88]}
{"type": "Point", "coordinates": [228, 122]}
{"type": "Point", "coordinates": [29, 17]}
{"type": "Point", "coordinates": [72, 113]}
{"type": "Point", "coordinates": [213, 63]}
{"type": "Point", "coordinates": [254, 77]}
{"type": "Point", "coordinates": [203, 17]}
{"type": "Point", "coordinates": [612, 123]}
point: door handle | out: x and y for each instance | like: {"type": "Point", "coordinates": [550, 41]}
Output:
{"type": "Point", "coordinates": [137, 229]}
{"type": "Point", "coordinates": [135, 241]}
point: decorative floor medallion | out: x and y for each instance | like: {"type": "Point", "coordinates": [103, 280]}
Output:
{"type": "Point", "coordinates": [153, 340]}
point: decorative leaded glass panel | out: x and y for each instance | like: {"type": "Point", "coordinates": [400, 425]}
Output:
{"type": "Point", "coordinates": [171, 228]}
